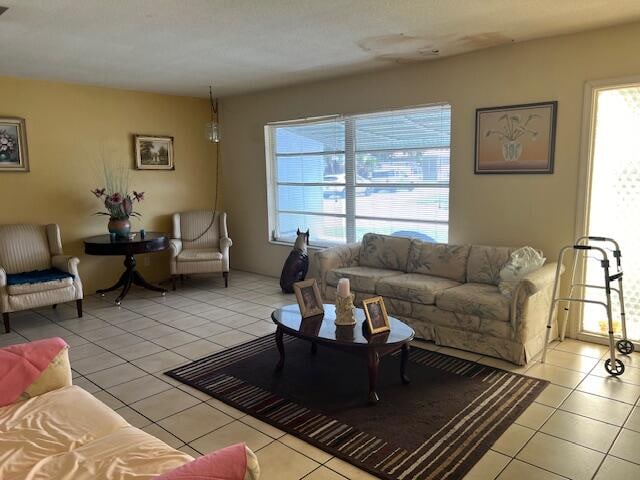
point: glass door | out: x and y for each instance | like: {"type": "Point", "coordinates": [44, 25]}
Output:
{"type": "Point", "coordinates": [614, 209]}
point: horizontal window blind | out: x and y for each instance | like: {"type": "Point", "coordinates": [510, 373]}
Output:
{"type": "Point", "coordinates": [345, 176]}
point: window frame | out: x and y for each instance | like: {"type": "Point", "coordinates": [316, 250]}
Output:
{"type": "Point", "coordinates": [350, 184]}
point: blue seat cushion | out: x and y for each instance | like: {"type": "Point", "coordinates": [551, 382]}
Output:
{"type": "Point", "coordinates": [37, 276]}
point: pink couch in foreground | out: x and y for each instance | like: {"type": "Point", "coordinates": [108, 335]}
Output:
{"type": "Point", "coordinates": [54, 430]}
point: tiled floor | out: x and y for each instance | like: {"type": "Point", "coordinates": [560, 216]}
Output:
{"type": "Point", "coordinates": [584, 425]}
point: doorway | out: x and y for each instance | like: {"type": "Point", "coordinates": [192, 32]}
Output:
{"type": "Point", "coordinates": [613, 201]}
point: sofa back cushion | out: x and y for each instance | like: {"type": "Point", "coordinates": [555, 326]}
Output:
{"type": "Point", "coordinates": [384, 251]}
{"type": "Point", "coordinates": [485, 263]}
{"type": "Point", "coordinates": [438, 259]}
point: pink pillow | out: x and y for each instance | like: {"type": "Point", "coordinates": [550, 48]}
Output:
{"type": "Point", "coordinates": [228, 463]}
{"type": "Point", "coordinates": [22, 364]}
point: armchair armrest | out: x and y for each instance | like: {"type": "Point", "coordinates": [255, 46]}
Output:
{"type": "Point", "coordinates": [66, 263]}
{"type": "Point", "coordinates": [3, 277]}
{"type": "Point", "coordinates": [175, 245]}
{"type": "Point", "coordinates": [225, 243]}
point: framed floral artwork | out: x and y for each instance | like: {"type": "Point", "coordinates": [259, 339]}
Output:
{"type": "Point", "coordinates": [516, 138]}
{"type": "Point", "coordinates": [14, 156]}
{"type": "Point", "coordinates": [153, 152]}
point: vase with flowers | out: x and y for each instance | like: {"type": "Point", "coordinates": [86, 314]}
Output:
{"type": "Point", "coordinates": [118, 202]}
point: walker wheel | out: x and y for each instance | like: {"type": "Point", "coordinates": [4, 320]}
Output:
{"type": "Point", "coordinates": [615, 371]}
{"type": "Point", "coordinates": [625, 347]}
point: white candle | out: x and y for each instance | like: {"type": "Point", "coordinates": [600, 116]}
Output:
{"type": "Point", "coordinates": [344, 288]}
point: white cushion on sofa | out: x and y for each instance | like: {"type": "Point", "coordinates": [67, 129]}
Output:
{"type": "Point", "coordinates": [479, 299]}
{"type": "Point", "coordinates": [413, 287]}
{"type": "Point", "coordinates": [362, 279]}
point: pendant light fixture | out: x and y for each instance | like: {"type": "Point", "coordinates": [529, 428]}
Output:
{"type": "Point", "coordinates": [212, 131]}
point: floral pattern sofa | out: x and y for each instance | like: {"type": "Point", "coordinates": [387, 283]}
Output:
{"type": "Point", "coordinates": [447, 293]}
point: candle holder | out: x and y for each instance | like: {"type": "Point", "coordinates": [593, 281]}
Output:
{"type": "Point", "coordinates": [345, 311]}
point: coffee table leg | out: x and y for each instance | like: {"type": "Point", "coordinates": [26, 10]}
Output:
{"type": "Point", "coordinates": [280, 345]}
{"type": "Point", "coordinates": [404, 357]}
{"type": "Point", "coordinates": [374, 363]}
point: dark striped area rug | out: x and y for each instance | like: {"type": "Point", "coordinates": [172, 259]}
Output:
{"type": "Point", "coordinates": [437, 427]}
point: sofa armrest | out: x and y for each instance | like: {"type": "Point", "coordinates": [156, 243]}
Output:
{"type": "Point", "coordinates": [334, 257]}
{"type": "Point", "coordinates": [535, 281]}
{"type": "Point", "coordinates": [225, 243]}
{"type": "Point", "coordinates": [66, 263]}
{"type": "Point", "coordinates": [175, 246]}
{"type": "Point", "coordinates": [538, 283]}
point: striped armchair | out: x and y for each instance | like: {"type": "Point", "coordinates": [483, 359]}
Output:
{"type": "Point", "coordinates": [200, 244]}
{"type": "Point", "coordinates": [34, 271]}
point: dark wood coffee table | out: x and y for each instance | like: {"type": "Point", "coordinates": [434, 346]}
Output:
{"type": "Point", "coordinates": [322, 330]}
{"type": "Point", "coordinates": [105, 245]}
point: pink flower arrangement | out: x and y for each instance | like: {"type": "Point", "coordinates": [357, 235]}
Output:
{"type": "Point", "coordinates": [119, 205]}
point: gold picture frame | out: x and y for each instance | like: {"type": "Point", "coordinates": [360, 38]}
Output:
{"type": "Point", "coordinates": [154, 152]}
{"type": "Point", "coordinates": [376, 315]}
{"type": "Point", "coordinates": [309, 298]}
{"type": "Point", "coordinates": [14, 156]}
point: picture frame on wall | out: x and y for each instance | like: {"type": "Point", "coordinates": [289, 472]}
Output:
{"type": "Point", "coordinates": [309, 298]}
{"type": "Point", "coordinates": [516, 139]}
{"type": "Point", "coordinates": [376, 315]}
{"type": "Point", "coordinates": [154, 152]}
{"type": "Point", "coordinates": [14, 156]}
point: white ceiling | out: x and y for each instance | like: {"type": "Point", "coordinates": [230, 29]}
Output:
{"type": "Point", "coordinates": [181, 46]}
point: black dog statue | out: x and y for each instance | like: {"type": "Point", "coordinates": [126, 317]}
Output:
{"type": "Point", "coordinates": [297, 264]}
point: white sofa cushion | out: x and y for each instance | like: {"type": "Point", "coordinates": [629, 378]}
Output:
{"type": "Point", "coordinates": [23, 288]}
{"type": "Point", "coordinates": [384, 251]}
{"type": "Point", "coordinates": [362, 279]}
{"type": "Point", "coordinates": [479, 299]}
{"type": "Point", "coordinates": [439, 259]}
{"type": "Point", "coordinates": [413, 287]}
{"type": "Point", "coordinates": [199, 255]}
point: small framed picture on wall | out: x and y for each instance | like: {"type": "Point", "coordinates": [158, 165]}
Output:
{"type": "Point", "coordinates": [154, 152]}
{"type": "Point", "coordinates": [14, 156]}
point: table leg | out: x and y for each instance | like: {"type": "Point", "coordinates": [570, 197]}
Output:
{"type": "Point", "coordinates": [404, 357]}
{"type": "Point", "coordinates": [139, 280]}
{"type": "Point", "coordinates": [374, 363]}
{"type": "Point", "coordinates": [280, 345]}
{"type": "Point", "coordinates": [121, 282]}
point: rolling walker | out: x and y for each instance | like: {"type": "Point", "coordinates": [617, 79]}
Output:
{"type": "Point", "coordinates": [583, 247]}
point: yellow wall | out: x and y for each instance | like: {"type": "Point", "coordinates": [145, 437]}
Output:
{"type": "Point", "coordinates": [538, 210]}
{"type": "Point", "coordinates": [69, 128]}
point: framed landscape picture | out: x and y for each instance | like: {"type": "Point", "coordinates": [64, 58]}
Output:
{"type": "Point", "coordinates": [13, 145]}
{"type": "Point", "coordinates": [516, 138]}
{"type": "Point", "coordinates": [153, 152]}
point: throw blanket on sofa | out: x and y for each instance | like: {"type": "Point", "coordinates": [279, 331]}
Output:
{"type": "Point", "coordinates": [22, 367]}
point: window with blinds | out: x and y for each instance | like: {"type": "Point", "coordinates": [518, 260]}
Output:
{"type": "Point", "coordinates": [344, 176]}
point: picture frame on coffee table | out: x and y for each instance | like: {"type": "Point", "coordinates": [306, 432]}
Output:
{"type": "Point", "coordinates": [309, 298]}
{"type": "Point", "coordinates": [376, 315]}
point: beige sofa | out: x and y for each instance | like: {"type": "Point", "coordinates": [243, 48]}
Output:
{"type": "Point", "coordinates": [59, 431]}
{"type": "Point", "coordinates": [447, 293]}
